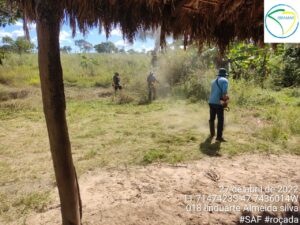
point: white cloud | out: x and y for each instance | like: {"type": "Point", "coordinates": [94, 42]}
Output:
{"type": "Point", "coordinates": [34, 40]}
{"type": "Point", "coordinates": [65, 36]}
{"type": "Point", "coordinates": [19, 24]}
{"type": "Point", "coordinates": [4, 34]}
{"type": "Point", "coordinates": [146, 48]}
{"type": "Point", "coordinates": [18, 33]}
{"type": "Point", "coordinates": [170, 40]}
{"type": "Point", "coordinates": [12, 34]}
{"type": "Point", "coordinates": [32, 26]}
{"type": "Point", "coordinates": [116, 32]}
{"type": "Point", "coordinates": [121, 44]}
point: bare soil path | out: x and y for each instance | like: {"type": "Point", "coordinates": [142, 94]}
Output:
{"type": "Point", "coordinates": [158, 194]}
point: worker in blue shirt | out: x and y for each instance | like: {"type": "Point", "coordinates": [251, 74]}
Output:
{"type": "Point", "coordinates": [219, 90]}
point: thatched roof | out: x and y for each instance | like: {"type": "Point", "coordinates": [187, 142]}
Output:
{"type": "Point", "coordinates": [213, 21]}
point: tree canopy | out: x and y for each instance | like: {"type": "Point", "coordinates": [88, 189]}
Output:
{"type": "Point", "coordinates": [84, 45]}
{"type": "Point", "coordinates": [66, 49]}
{"type": "Point", "coordinates": [8, 14]}
{"type": "Point", "coordinates": [106, 47]}
{"type": "Point", "coordinates": [20, 45]}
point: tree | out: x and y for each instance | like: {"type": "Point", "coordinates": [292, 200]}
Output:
{"type": "Point", "coordinates": [156, 34]}
{"type": "Point", "coordinates": [5, 48]}
{"type": "Point", "coordinates": [249, 61]}
{"type": "Point", "coordinates": [84, 45]}
{"type": "Point", "coordinates": [106, 47]}
{"type": "Point", "coordinates": [66, 49]}
{"type": "Point", "coordinates": [8, 46]}
{"type": "Point", "coordinates": [122, 50]}
{"type": "Point", "coordinates": [48, 20]}
{"type": "Point", "coordinates": [7, 40]}
{"type": "Point", "coordinates": [131, 51]}
{"type": "Point", "coordinates": [22, 45]}
{"type": "Point", "coordinates": [8, 14]}
{"type": "Point", "coordinates": [291, 71]}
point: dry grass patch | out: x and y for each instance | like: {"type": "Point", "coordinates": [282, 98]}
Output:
{"type": "Point", "coordinates": [106, 134]}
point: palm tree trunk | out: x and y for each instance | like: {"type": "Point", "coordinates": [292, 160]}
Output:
{"type": "Point", "coordinates": [154, 59]}
{"type": "Point", "coordinates": [49, 14]}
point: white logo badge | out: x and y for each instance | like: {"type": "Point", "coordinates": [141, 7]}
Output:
{"type": "Point", "coordinates": [281, 22]}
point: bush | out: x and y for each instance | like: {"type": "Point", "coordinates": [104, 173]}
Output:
{"type": "Point", "coordinates": [183, 72]}
{"type": "Point", "coordinates": [289, 74]}
{"type": "Point", "coordinates": [175, 67]}
{"type": "Point", "coordinates": [196, 89]}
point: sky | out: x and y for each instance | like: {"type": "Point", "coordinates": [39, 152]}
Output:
{"type": "Point", "coordinates": [92, 36]}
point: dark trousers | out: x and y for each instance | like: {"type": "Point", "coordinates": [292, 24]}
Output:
{"type": "Point", "coordinates": [219, 111]}
{"type": "Point", "coordinates": [117, 87]}
{"type": "Point", "coordinates": [151, 93]}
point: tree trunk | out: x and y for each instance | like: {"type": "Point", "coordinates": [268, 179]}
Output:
{"type": "Point", "coordinates": [154, 59]}
{"type": "Point", "coordinates": [49, 15]}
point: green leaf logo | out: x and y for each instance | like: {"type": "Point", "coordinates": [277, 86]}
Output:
{"type": "Point", "coordinates": [282, 21]}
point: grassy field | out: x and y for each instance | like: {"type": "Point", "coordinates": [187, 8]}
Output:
{"type": "Point", "coordinates": [106, 133]}
{"type": "Point", "coordinates": [81, 70]}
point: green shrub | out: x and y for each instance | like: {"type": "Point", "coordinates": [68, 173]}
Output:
{"type": "Point", "coordinates": [196, 89]}
{"type": "Point", "coordinates": [186, 74]}
{"type": "Point", "coordinates": [288, 73]}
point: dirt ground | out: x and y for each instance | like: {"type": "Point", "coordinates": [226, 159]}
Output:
{"type": "Point", "coordinates": [161, 194]}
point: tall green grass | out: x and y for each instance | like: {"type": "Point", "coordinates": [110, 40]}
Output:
{"type": "Point", "coordinates": [81, 70]}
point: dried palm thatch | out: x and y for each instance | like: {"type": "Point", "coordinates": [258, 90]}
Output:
{"type": "Point", "coordinates": [213, 21]}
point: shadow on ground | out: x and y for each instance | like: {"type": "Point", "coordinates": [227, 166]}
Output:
{"type": "Point", "coordinates": [209, 148]}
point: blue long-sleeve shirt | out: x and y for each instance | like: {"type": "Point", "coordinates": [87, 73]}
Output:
{"type": "Point", "coordinates": [216, 92]}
